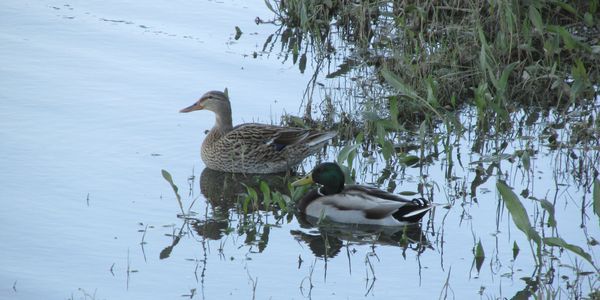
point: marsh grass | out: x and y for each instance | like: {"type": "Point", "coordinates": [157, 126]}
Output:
{"type": "Point", "coordinates": [541, 52]}
{"type": "Point", "coordinates": [416, 63]}
{"type": "Point", "coordinates": [480, 90]}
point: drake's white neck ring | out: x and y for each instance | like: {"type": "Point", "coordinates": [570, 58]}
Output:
{"type": "Point", "coordinates": [319, 192]}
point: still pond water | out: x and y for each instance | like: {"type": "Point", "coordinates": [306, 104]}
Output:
{"type": "Point", "coordinates": [89, 95]}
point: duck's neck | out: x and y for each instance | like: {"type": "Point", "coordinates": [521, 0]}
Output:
{"type": "Point", "coordinates": [222, 126]}
{"type": "Point", "coordinates": [223, 120]}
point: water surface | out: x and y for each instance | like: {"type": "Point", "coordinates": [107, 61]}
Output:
{"type": "Point", "coordinates": [89, 99]}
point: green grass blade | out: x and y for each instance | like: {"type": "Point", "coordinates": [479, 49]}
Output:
{"type": "Point", "coordinates": [245, 204]}
{"type": "Point", "coordinates": [567, 7]}
{"type": "Point", "coordinates": [566, 36]}
{"type": "Point", "coordinates": [409, 160]}
{"type": "Point", "coordinates": [345, 153]}
{"type": "Point", "coordinates": [266, 191]}
{"type": "Point", "coordinates": [517, 211]}
{"type": "Point", "coordinates": [479, 250]}
{"type": "Point", "coordinates": [279, 199]}
{"type": "Point", "coordinates": [526, 160]}
{"type": "Point", "coordinates": [536, 18]}
{"type": "Point", "coordinates": [167, 176]}
{"type": "Point", "coordinates": [558, 242]}
{"type": "Point", "coordinates": [479, 256]}
{"type": "Point", "coordinates": [250, 198]}
{"type": "Point", "coordinates": [431, 90]}
{"type": "Point", "coordinates": [549, 207]}
{"type": "Point", "coordinates": [393, 80]}
{"type": "Point", "coordinates": [503, 81]}
{"type": "Point", "coordinates": [387, 150]}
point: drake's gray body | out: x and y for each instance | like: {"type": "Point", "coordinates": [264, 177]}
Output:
{"type": "Point", "coordinates": [356, 204]}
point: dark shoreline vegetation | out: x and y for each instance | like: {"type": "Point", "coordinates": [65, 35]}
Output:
{"type": "Point", "coordinates": [405, 81]}
{"type": "Point", "coordinates": [541, 53]}
{"type": "Point", "coordinates": [432, 58]}
{"type": "Point", "coordinates": [386, 72]}
{"type": "Point", "coordinates": [398, 69]}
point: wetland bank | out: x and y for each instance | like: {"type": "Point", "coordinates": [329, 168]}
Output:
{"type": "Point", "coordinates": [489, 110]}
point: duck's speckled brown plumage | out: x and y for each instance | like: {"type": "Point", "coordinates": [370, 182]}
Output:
{"type": "Point", "coordinates": [253, 147]}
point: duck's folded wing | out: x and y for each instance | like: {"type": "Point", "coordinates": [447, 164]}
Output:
{"type": "Point", "coordinates": [272, 134]}
{"type": "Point", "coordinates": [289, 136]}
{"type": "Point", "coordinates": [292, 136]}
{"type": "Point", "coordinates": [371, 207]}
{"type": "Point", "coordinates": [374, 192]}
{"type": "Point", "coordinates": [269, 135]}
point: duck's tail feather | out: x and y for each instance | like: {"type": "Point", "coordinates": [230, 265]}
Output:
{"type": "Point", "coordinates": [320, 138]}
{"type": "Point", "coordinates": [417, 212]}
{"type": "Point", "coordinates": [413, 211]}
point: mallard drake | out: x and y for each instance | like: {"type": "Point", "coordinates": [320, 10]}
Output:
{"type": "Point", "coordinates": [252, 147]}
{"type": "Point", "coordinates": [355, 204]}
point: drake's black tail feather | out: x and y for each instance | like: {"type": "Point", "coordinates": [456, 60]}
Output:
{"type": "Point", "coordinates": [413, 211]}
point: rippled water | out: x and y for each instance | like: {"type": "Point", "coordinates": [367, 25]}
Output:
{"type": "Point", "coordinates": [89, 95]}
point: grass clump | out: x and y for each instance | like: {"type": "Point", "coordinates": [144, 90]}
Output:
{"type": "Point", "coordinates": [494, 55]}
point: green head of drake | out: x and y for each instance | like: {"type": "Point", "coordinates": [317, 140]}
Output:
{"type": "Point", "coordinates": [328, 174]}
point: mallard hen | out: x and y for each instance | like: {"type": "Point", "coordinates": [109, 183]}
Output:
{"type": "Point", "coordinates": [253, 147]}
{"type": "Point", "coordinates": [356, 204]}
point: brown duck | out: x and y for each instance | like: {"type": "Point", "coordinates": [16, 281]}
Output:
{"type": "Point", "coordinates": [253, 147]}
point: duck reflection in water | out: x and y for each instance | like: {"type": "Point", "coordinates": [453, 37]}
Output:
{"type": "Point", "coordinates": [326, 240]}
{"type": "Point", "coordinates": [222, 191]}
